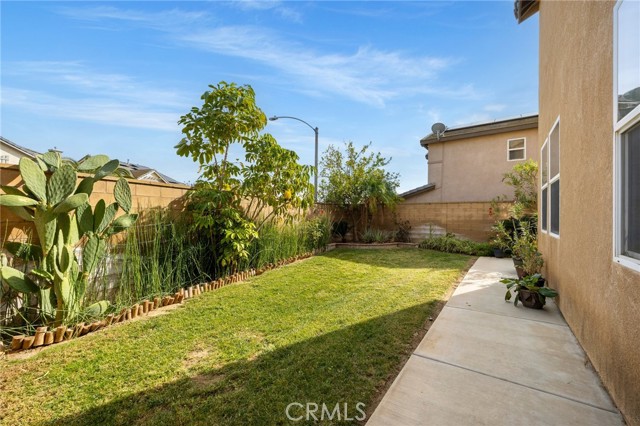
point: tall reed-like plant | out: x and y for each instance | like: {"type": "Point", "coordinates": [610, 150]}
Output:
{"type": "Point", "coordinates": [160, 255]}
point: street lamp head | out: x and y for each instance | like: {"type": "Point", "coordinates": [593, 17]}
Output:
{"type": "Point", "coordinates": [274, 118]}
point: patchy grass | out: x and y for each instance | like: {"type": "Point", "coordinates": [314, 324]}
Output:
{"type": "Point", "coordinates": [331, 329]}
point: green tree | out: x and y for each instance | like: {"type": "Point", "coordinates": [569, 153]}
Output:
{"type": "Point", "coordinates": [232, 200]}
{"type": "Point", "coordinates": [356, 182]}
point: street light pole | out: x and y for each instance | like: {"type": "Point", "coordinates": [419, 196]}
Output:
{"type": "Point", "coordinates": [315, 130]}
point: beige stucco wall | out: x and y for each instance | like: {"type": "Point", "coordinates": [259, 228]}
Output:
{"type": "Point", "coordinates": [471, 170]}
{"type": "Point", "coordinates": [599, 299]}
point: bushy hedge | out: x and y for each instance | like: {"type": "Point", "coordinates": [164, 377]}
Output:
{"type": "Point", "coordinates": [451, 244]}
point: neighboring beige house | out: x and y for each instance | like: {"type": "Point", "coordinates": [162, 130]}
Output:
{"type": "Point", "coordinates": [149, 189]}
{"type": "Point", "coordinates": [466, 163]}
{"type": "Point", "coordinates": [590, 180]}
{"type": "Point", "coordinates": [11, 153]}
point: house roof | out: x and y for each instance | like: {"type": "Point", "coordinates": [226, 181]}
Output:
{"type": "Point", "coordinates": [31, 153]}
{"type": "Point", "coordinates": [523, 9]}
{"type": "Point", "coordinates": [137, 171]}
{"type": "Point", "coordinates": [419, 190]}
{"type": "Point", "coordinates": [528, 121]}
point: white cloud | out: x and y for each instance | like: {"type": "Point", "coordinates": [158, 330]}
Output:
{"type": "Point", "coordinates": [367, 75]}
{"type": "Point", "coordinates": [164, 20]}
{"type": "Point", "coordinates": [71, 90]}
{"type": "Point", "coordinates": [95, 110]}
{"type": "Point", "coordinates": [276, 6]}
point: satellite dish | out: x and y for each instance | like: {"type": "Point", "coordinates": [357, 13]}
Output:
{"type": "Point", "coordinates": [438, 129]}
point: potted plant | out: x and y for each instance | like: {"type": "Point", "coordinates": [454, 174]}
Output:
{"type": "Point", "coordinates": [527, 259]}
{"type": "Point", "coordinates": [528, 290]}
{"type": "Point", "coordinates": [502, 241]}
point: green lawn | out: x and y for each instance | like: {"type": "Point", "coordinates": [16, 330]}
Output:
{"type": "Point", "coordinates": [330, 329]}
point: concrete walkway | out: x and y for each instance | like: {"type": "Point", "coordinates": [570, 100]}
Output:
{"type": "Point", "coordinates": [486, 362]}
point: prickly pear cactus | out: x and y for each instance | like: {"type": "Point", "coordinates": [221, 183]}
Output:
{"type": "Point", "coordinates": [62, 216]}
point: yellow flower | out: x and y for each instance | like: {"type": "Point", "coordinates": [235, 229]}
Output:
{"type": "Point", "coordinates": [287, 194]}
{"type": "Point", "coordinates": [226, 187]}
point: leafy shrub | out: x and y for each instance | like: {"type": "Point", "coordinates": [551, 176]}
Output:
{"type": "Point", "coordinates": [403, 232]}
{"type": "Point", "coordinates": [376, 236]}
{"type": "Point", "coordinates": [318, 232]}
{"type": "Point", "coordinates": [451, 244]}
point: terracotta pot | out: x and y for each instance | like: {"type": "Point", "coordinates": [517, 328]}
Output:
{"type": "Point", "coordinates": [531, 299]}
{"type": "Point", "coordinates": [520, 272]}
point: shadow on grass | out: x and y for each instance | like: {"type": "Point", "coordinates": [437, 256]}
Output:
{"type": "Point", "coordinates": [347, 366]}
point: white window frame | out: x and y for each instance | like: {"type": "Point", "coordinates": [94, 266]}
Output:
{"type": "Point", "coordinates": [554, 178]}
{"type": "Point", "coordinates": [4, 159]}
{"type": "Point", "coordinates": [524, 149]}
{"type": "Point", "coordinates": [544, 186]}
{"type": "Point", "coordinates": [619, 127]}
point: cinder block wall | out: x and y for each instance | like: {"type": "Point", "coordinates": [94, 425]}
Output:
{"type": "Point", "coordinates": [145, 195]}
{"type": "Point", "coordinates": [471, 220]}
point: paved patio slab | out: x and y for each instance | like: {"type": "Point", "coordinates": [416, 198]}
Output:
{"type": "Point", "coordinates": [485, 361]}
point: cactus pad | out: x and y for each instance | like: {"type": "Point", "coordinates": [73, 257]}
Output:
{"type": "Point", "coordinates": [61, 184]}
{"type": "Point", "coordinates": [71, 203]}
{"type": "Point", "coordinates": [93, 163]}
{"type": "Point", "coordinates": [122, 194]}
{"type": "Point", "coordinates": [34, 178]}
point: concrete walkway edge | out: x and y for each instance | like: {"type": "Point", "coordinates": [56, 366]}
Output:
{"type": "Point", "coordinates": [486, 362]}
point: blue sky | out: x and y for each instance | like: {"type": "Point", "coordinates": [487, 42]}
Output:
{"type": "Point", "coordinates": [115, 77]}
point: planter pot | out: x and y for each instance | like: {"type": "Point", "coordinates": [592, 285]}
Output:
{"type": "Point", "coordinates": [498, 253]}
{"type": "Point", "coordinates": [520, 271]}
{"type": "Point", "coordinates": [531, 299]}
{"type": "Point", "coordinates": [517, 261]}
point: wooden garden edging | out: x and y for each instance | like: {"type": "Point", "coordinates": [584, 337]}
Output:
{"type": "Point", "coordinates": [45, 337]}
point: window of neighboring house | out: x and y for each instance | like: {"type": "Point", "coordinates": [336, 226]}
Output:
{"type": "Point", "coordinates": [516, 149]}
{"type": "Point", "coordinates": [4, 159]}
{"type": "Point", "coordinates": [627, 132]}
{"type": "Point", "coordinates": [544, 187]}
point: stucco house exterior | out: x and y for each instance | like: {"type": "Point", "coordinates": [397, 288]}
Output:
{"type": "Point", "coordinates": [589, 197]}
{"type": "Point", "coordinates": [466, 163]}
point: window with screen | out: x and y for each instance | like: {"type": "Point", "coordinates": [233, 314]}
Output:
{"type": "Point", "coordinates": [516, 149]}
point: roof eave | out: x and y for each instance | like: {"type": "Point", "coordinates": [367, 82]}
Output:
{"type": "Point", "coordinates": [419, 190]}
{"type": "Point", "coordinates": [492, 128]}
{"type": "Point", "coordinates": [524, 9]}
